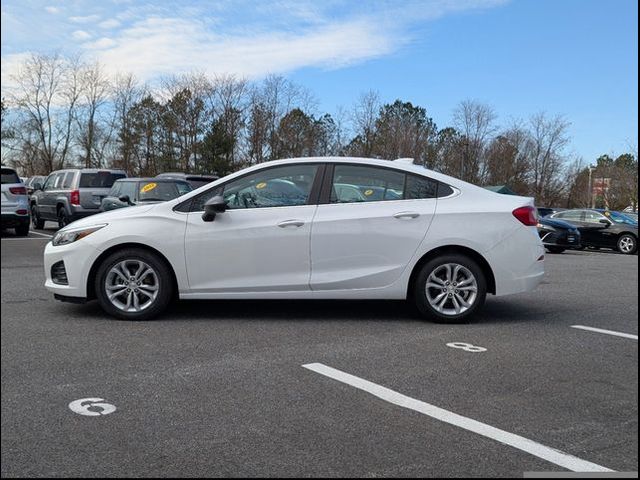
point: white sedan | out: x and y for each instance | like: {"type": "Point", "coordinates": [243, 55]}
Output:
{"type": "Point", "coordinates": [313, 228]}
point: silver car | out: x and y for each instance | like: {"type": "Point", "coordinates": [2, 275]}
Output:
{"type": "Point", "coordinates": [70, 194]}
{"type": "Point", "coordinates": [15, 203]}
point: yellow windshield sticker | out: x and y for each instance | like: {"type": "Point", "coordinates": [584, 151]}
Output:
{"type": "Point", "coordinates": [368, 193]}
{"type": "Point", "coordinates": [148, 187]}
{"type": "Point", "coordinates": [261, 185]}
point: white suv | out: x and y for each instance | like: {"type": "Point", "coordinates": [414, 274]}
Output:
{"type": "Point", "coordinates": [15, 203]}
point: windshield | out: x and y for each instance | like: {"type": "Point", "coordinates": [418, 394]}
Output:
{"type": "Point", "coordinates": [162, 191]}
{"type": "Point", "coordinates": [621, 218]}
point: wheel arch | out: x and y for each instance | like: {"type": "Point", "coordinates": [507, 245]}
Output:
{"type": "Point", "coordinates": [450, 249]}
{"type": "Point", "coordinates": [91, 278]}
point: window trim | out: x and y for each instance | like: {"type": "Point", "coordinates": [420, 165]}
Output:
{"type": "Point", "coordinates": [314, 193]}
{"type": "Point", "coordinates": [325, 194]}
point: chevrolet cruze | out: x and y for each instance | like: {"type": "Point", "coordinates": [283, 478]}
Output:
{"type": "Point", "coordinates": [313, 228]}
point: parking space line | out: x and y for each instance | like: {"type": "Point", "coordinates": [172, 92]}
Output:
{"type": "Point", "coordinates": [41, 234]}
{"type": "Point", "coordinates": [552, 455]}
{"type": "Point", "coordinates": [606, 332]}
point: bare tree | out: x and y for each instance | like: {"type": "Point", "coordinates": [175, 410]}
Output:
{"type": "Point", "coordinates": [549, 138]}
{"type": "Point", "coordinates": [45, 96]}
{"type": "Point", "coordinates": [94, 133]}
{"type": "Point", "coordinates": [475, 121]}
{"type": "Point", "coordinates": [363, 118]}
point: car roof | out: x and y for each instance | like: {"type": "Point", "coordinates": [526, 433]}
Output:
{"type": "Point", "coordinates": [151, 179]}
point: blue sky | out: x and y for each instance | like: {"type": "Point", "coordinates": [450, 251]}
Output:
{"type": "Point", "coordinates": [578, 58]}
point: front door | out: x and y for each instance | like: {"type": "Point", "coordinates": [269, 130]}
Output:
{"type": "Point", "coordinates": [261, 242]}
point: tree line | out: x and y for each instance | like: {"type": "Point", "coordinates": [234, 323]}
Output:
{"type": "Point", "coordinates": [63, 112]}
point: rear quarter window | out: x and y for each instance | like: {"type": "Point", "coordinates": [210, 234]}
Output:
{"type": "Point", "coordinates": [9, 176]}
{"type": "Point", "coordinates": [99, 179]}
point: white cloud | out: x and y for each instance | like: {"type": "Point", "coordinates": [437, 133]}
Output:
{"type": "Point", "coordinates": [52, 10]}
{"type": "Point", "coordinates": [81, 35]}
{"type": "Point", "coordinates": [101, 44]}
{"type": "Point", "coordinates": [85, 19]}
{"type": "Point", "coordinates": [108, 24]}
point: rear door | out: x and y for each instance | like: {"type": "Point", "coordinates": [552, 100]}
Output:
{"type": "Point", "coordinates": [364, 236]}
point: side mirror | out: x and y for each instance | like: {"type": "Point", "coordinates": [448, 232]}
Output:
{"type": "Point", "coordinates": [125, 199]}
{"type": "Point", "coordinates": [606, 223]}
{"type": "Point", "coordinates": [213, 206]}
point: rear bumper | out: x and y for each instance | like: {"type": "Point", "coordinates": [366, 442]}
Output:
{"type": "Point", "coordinates": [10, 220]}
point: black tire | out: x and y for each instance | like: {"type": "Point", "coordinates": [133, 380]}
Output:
{"type": "Point", "coordinates": [165, 284]}
{"type": "Point", "coordinates": [420, 291]}
{"type": "Point", "coordinates": [63, 218]}
{"type": "Point", "coordinates": [556, 250]}
{"type": "Point", "coordinates": [22, 230]}
{"type": "Point", "coordinates": [581, 247]}
{"type": "Point", "coordinates": [627, 244]}
{"type": "Point", "coordinates": [37, 222]}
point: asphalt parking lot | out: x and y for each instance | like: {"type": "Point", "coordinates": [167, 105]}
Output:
{"type": "Point", "coordinates": [234, 388]}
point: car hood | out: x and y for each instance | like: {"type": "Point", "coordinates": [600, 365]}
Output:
{"type": "Point", "coordinates": [555, 223]}
{"type": "Point", "coordinates": [106, 217]}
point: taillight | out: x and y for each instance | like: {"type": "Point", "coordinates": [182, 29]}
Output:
{"type": "Point", "coordinates": [527, 215]}
{"type": "Point", "coordinates": [75, 197]}
{"type": "Point", "coordinates": [18, 190]}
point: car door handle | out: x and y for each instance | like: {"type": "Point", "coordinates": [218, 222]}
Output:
{"type": "Point", "coordinates": [406, 215]}
{"type": "Point", "coordinates": [291, 223]}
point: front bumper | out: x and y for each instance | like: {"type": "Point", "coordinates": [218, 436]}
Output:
{"type": "Point", "coordinates": [560, 239]}
{"type": "Point", "coordinates": [78, 257]}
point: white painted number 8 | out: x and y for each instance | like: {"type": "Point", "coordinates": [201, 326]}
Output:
{"type": "Point", "coordinates": [467, 347]}
{"type": "Point", "coordinates": [82, 406]}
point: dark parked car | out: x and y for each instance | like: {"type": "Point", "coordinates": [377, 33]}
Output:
{"type": "Point", "coordinates": [68, 195]}
{"type": "Point", "coordinates": [558, 235]}
{"type": "Point", "coordinates": [136, 191]}
{"type": "Point", "coordinates": [604, 229]}
{"type": "Point", "coordinates": [195, 180]}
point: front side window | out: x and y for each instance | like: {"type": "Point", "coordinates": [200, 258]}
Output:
{"type": "Point", "coordinates": [52, 180]}
{"type": "Point", "coordinates": [355, 183]}
{"type": "Point", "coordinates": [593, 217]}
{"type": "Point", "coordinates": [129, 189]}
{"type": "Point", "coordinates": [573, 215]}
{"type": "Point", "coordinates": [285, 186]}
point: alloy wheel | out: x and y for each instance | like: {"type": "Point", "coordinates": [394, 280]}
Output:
{"type": "Point", "coordinates": [132, 286]}
{"type": "Point", "coordinates": [627, 244]}
{"type": "Point", "coordinates": [451, 289]}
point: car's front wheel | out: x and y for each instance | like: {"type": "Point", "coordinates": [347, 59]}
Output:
{"type": "Point", "coordinates": [450, 289]}
{"type": "Point", "coordinates": [134, 284]}
{"type": "Point", "coordinates": [627, 244]}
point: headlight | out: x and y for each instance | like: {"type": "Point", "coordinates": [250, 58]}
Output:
{"type": "Point", "coordinates": [65, 237]}
{"type": "Point", "coordinates": [546, 227]}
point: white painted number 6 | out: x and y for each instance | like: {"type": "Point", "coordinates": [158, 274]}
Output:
{"type": "Point", "coordinates": [82, 406]}
{"type": "Point", "coordinates": [467, 347]}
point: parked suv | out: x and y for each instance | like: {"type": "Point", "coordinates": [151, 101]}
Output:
{"type": "Point", "coordinates": [15, 203]}
{"type": "Point", "coordinates": [68, 195]}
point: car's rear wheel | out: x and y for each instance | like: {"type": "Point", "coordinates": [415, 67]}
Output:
{"type": "Point", "coordinates": [450, 289]}
{"type": "Point", "coordinates": [627, 244]}
{"type": "Point", "coordinates": [556, 249]}
{"type": "Point", "coordinates": [22, 230]}
{"type": "Point", "coordinates": [63, 218]}
{"type": "Point", "coordinates": [38, 223]}
{"type": "Point", "coordinates": [134, 284]}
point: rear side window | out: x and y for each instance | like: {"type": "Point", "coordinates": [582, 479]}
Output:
{"type": "Point", "coordinates": [9, 176]}
{"type": "Point", "coordinates": [99, 179]}
{"type": "Point", "coordinates": [68, 180]}
{"type": "Point", "coordinates": [355, 183]}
